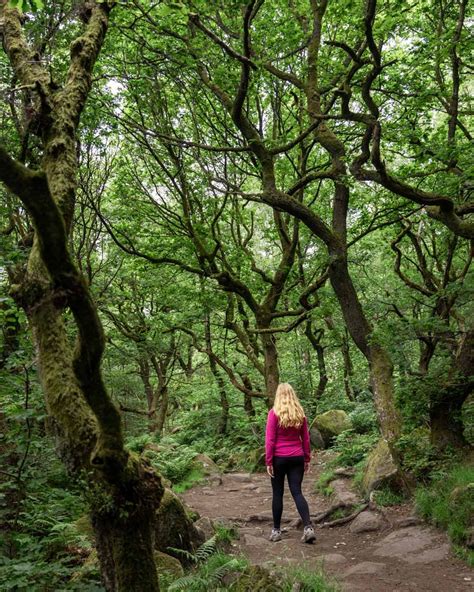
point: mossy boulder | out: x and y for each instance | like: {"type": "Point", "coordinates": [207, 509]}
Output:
{"type": "Point", "coordinates": [257, 458]}
{"type": "Point", "coordinates": [173, 527]}
{"type": "Point", "coordinates": [380, 469]}
{"type": "Point", "coordinates": [256, 579]}
{"type": "Point", "coordinates": [205, 464]}
{"type": "Point", "coordinates": [167, 564]}
{"type": "Point", "coordinates": [331, 424]}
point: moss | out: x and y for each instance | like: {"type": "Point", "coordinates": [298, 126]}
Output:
{"type": "Point", "coordinates": [332, 423]}
{"type": "Point", "coordinates": [173, 528]}
{"type": "Point", "coordinates": [256, 579]}
{"type": "Point", "coordinates": [380, 468]}
{"type": "Point", "coordinates": [166, 564]}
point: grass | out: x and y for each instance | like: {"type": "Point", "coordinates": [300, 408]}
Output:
{"type": "Point", "coordinates": [312, 581]}
{"type": "Point", "coordinates": [322, 484]}
{"type": "Point", "coordinates": [388, 497]}
{"type": "Point", "coordinates": [448, 502]}
{"type": "Point", "coordinates": [192, 478]}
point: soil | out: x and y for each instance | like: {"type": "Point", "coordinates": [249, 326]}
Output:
{"type": "Point", "coordinates": [412, 558]}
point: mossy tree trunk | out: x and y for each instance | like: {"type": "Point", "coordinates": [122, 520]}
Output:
{"type": "Point", "coordinates": [124, 493]}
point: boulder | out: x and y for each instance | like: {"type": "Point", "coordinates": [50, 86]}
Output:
{"type": "Point", "coordinates": [331, 424]}
{"type": "Point", "coordinates": [205, 527]}
{"type": "Point", "coordinates": [342, 493]}
{"type": "Point", "coordinates": [256, 579]}
{"type": "Point", "coordinates": [173, 527]}
{"type": "Point", "coordinates": [205, 464]}
{"type": "Point", "coordinates": [257, 458]}
{"type": "Point", "coordinates": [316, 439]}
{"type": "Point", "coordinates": [167, 564]}
{"type": "Point", "coordinates": [366, 522]}
{"type": "Point", "coordinates": [380, 469]}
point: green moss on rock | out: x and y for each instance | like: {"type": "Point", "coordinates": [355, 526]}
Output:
{"type": "Point", "coordinates": [167, 564]}
{"type": "Point", "coordinates": [173, 528]}
{"type": "Point", "coordinates": [256, 579]}
{"type": "Point", "coordinates": [331, 424]}
{"type": "Point", "coordinates": [380, 469]}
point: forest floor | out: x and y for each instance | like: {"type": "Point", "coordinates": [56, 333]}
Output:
{"type": "Point", "coordinates": [393, 558]}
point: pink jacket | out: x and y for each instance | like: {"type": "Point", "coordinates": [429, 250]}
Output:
{"type": "Point", "coordinates": [285, 441]}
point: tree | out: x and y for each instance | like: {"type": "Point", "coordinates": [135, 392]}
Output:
{"type": "Point", "coordinates": [124, 491]}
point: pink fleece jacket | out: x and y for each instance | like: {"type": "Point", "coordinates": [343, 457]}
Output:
{"type": "Point", "coordinates": [285, 441]}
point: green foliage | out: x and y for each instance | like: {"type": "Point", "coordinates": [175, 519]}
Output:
{"type": "Point", "coordinates": [353, 448]}
{"type": "Point", "coordinates": [448, 501]}
{"type": "Point", "coordinates": [308, 580]}
{"type": "Point", "coordinates": [387, 497]}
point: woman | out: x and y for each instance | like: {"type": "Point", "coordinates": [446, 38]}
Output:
{"type": "Point", "coordinates": [287, 453]}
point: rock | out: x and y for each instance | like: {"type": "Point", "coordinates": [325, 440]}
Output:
{"type": "Point", "coordinates": [205, 464]}
{"type": "Point", "coordinates": [250, 487]}
{"type": "Point", "coordinates": [241, 477]}
{"type": "Point", "coordinates": [257, 458]}
{"type": "Point", "coordinates": [342, 493]}
{"type": "Point", "coordinates": [413, 545]}
{"type": "Point", "coordinates": [331, 424]}
{"type": "Point", "coordinates": [316, 439]}
{"type": "Point", "coordinates": [366, 522]}
{"type": "Point", "coordinates": [380, 469]}
{"type": "Point", "coordinates": [253, 541]}
{"type": "Point", "coordinates": [366, 567]}
{"type": "Point", "coordinates": [167, 564]}
{"type": "Point", "coordinates": [256, 579]}
{"type": "Point", "coordinates": [409, 521]}
{"type": "Point", "coordinates": [173, 527]}
{"type": "Point", "coordinates": [205, 526]}
{"type": "Point", "coordinates": [332, 558]}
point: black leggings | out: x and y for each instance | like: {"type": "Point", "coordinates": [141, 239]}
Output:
{"type": "Point", "coordinates": [293, 466]}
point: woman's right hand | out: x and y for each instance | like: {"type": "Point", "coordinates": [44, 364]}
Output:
{"type": "Point", "coordinates": [270, 471]}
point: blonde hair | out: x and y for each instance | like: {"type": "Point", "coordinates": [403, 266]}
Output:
{"type": "Point", "coordinates": [287, 407]}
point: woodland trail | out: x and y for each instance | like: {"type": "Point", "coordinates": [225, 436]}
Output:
{"type": "Point", "coordinates": [393, 558]}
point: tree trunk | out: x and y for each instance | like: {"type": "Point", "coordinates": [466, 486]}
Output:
{"type": "Point", "coordinates": [144, 366]}
{"type": "Point", "coordinates": [445, 419]}
{"type": "Point", "coordinates": [161, 401]}
{"type": "Point", "coordinates": [272, 373]}
{"type": "Point", "coordinates": [381, 368]}
{"type": "Point", "coordinates": [348, 369]}
{"type": "Point", "coordinates": [248, 405]}
{"type": "Point", "coordinates": [446, 403]}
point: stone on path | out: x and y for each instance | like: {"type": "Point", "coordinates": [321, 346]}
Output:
{"type": "Point", "coordinates": [366, 522]}
{"type": "Point", "coordinates": [241, 477]}
{"type": "Point", "coordinates": [413, 545]}
{"type": "Point", "coordinates": [253, 541]}
{"type": "Point", "coordinates": [332, 558]}
{"type": "Point", "coordinates": [342, 494]}
{"type": "Point", "coordinates": [366, 567]}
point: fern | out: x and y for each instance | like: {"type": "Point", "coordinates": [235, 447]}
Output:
{"type": "Point", "coordinates": [207, 549]}
{"type": "Point", "coordinates": [189, 582]}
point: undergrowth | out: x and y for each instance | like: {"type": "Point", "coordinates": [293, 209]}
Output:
{"type": "Point", "coordinates": [448, 502]}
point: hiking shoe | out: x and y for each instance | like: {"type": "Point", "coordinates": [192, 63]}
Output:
{"type": "Point", "coordinates": [275, 535]}
{"type": "Point", "coordinates": [308, 535]}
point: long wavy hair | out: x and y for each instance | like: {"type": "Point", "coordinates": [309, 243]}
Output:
{"type": "Point", "coordinates": [287, 407]}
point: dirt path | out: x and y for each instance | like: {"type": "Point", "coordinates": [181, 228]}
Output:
{"type": "Point", "coordinates": [414, 558]}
